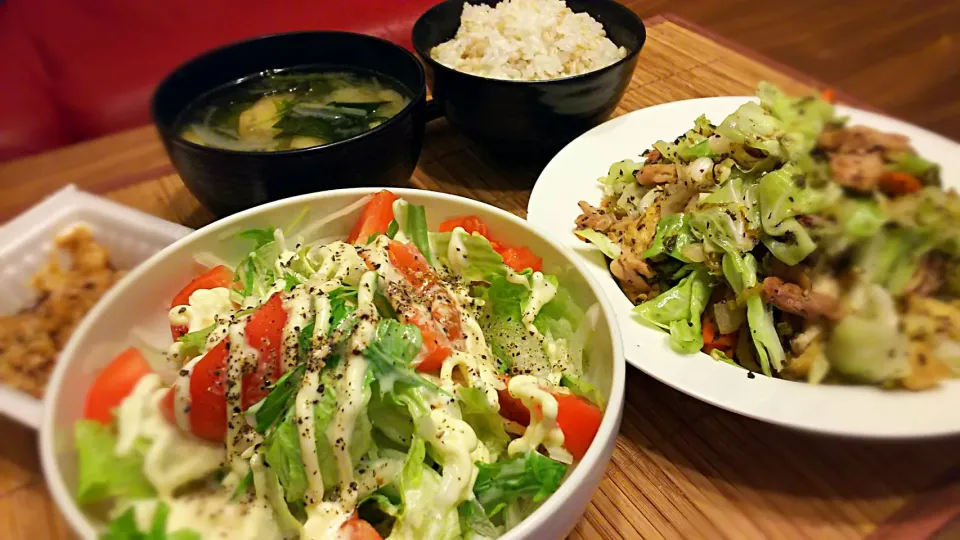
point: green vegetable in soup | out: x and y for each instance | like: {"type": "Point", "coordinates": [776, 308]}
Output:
{"type": "Point", "coordinates": [292, 110]}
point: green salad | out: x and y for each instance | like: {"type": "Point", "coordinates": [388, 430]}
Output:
{"type": "Point", "coordinates": [399, 383]}
{"type": "Point", "coordinates": [787, 242]}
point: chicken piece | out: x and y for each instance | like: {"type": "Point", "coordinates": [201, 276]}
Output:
{"type": "Point", "coordinates": [633, 274]}
{"type": "Point", "coordinates": [594, 218]}
{"type": "Point", "coordinates": [652, 174]}
{"type": "Point", "coordinates": [862, 140]}
{"type": "Point", "coordinates": [860, 172]}
{"type": "Point", "coordinates": [30, 341]}
{"type": "Point", "coordinates": [794, 274]}
{"type": "Point", "coordinates": [637, 235]}
{"type": "Point", "coordinates": [808, 304]}
{"type": "Point", "coordinates": [928, 278]}
{"type": "Point", "coordinates": [653, 156]}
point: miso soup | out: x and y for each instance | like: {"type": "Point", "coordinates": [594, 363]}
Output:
{"type": "Point", "coordinates": [292, 109]}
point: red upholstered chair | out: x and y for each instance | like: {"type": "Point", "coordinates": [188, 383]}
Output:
{"type": "Point", "coordinates": [77, 69]}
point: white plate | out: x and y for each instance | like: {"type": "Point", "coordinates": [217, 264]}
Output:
{"type": "Point", "coordinates": [839, 410]}
{"type": "Point", "coordinates": [130, 236]}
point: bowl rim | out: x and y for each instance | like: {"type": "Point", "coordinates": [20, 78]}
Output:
{"type": "Point", "coordinates": [169, 134]}
{"type": "Point", "coordinates": [632, 52]}
{"type": "Point", "coordinates": [597, 455]}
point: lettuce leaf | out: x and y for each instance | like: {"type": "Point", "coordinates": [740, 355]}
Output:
{"type": "Point", "coordinates": [280, 399]}
{"type": "Point", "coordinates": [680, 309]}
{"type": "Point", "coordinates": [422, 516]}
{"type": "Point", "coordinates": [532, 476]}
{"type": "Point", "coordinates": [472, 257]}
{"type": "Point", "coordinates": [484, 419]}
{"type": "Point", "coordinates": [195, 342]}
{"type": "Point", "coordinates": [391, 353]}
{"type": "Point", "coordinates": [103, 475]}
{"type": "Point", "coordinates": [474, 523]}
{"type": "Point", "coordinates": [282, 453]}
{"type": "Point", "coordinates": [583, 389]}
{"type": "Point", "coordinates": [412, 223]}
{"type": "Point", "coordinates": [124, 527]}
{"type": "Point", "coordinates": [259, 237]}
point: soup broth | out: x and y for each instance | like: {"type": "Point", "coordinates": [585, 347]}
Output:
{"type": "Point", "coordinates": [292, 109]}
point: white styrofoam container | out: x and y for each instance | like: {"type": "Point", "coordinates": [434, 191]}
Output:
{"type": "Point", "coordinates": [26, 242]}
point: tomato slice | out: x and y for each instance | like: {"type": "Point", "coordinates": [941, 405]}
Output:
{"type": "Point", "coordinates": [218, 276]}
{"type": "Point", "coordinates": [470, 224]}
{"type": "Point", "coordinates": [113, 384]}
{"type": "Point", "coordinates": [208, 404]}
{"type": "Point", "coordinates": [358, 529]}
{"type": "Point", "coordinates": [577, 418]}
{"type": "Point", "coordinates": [264, 332]}
{"type": "Point", "coordinates": [414, 267]}
{"type": "Point", "coordinates": [436, 346]}
{"type": "Point", "coordinates": [520, 258]}
{"type": "Point", "coordinates": [444, 322]}
{"type": "Point", "coordinates": [512, 408]}
{"type": "Point", "coordinates": [376, 217]}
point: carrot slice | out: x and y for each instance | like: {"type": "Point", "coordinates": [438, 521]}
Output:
{"type": "Point", "coordinates": [899, 183]}
{"type": "Point", "coordinates": [712, 339]}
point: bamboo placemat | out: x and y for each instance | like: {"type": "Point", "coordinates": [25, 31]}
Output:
{"type": "Point", "coordinates": [681, 468]}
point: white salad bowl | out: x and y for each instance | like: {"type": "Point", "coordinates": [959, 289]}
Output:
{"type": "Point", "coordinates": [139, 304]}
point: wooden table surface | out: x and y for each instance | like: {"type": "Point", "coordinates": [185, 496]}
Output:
{"type": "Point", "coordinates": [681, 468]}
{"type": "Point", "coordinates": [900, 56]}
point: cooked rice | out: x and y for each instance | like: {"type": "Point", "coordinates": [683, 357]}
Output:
{"type": "Point", "coordinates": [527, 40]}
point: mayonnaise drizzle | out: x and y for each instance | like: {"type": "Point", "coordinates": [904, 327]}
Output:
{"type": "Point", "coordinates": [203, 308]}
{"type": "Point", "coordinates": [299, 307]}
{"type": "Point", "coordinates": [455, 441]}
{"type": "Point", "coordinates": [173, 458]}
{"type": "Point", "coordinates": [182, 397]}
{"type": "Point", "coordinates": [475, 363]}
{"type": "Point", "coordinates": [543, 427]}
{"type": "Point", "coordinates": [323, 308]}
{"type": "Point", "coordinates": [306, 397]}
{"type": "Point", "coordinates": [242, 358]}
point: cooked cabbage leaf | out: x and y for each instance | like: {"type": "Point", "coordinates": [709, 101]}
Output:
{"type": "Point", "coordinates": [603, 242]}
{"type": "Point", "coordinates": [679, 310]}
{"type": "Point", "coordinates": [673, 234]}
{"type": "Point", "coordinates": [867, 345]}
